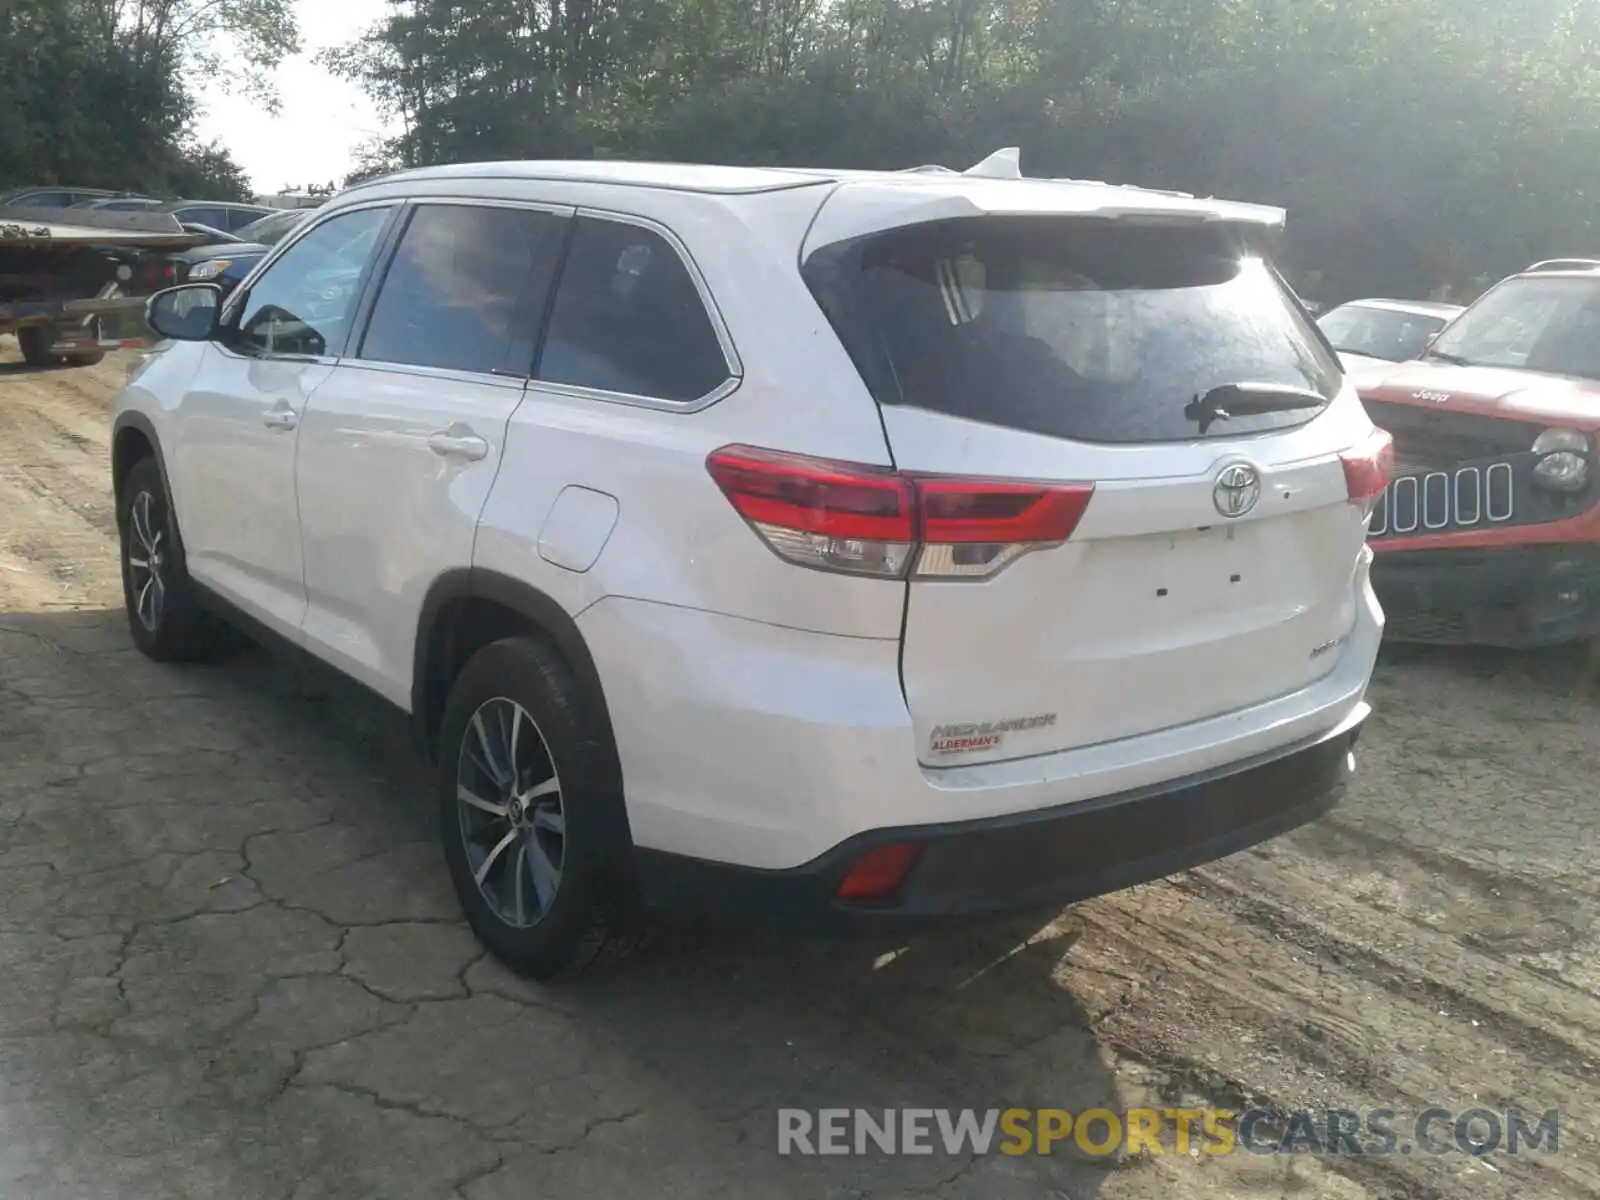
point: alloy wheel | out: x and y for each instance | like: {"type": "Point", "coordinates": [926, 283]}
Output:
{"type": "Point", "coordinates": [513, 825]}
{"type": "Point", "coordinates": [145, 559]}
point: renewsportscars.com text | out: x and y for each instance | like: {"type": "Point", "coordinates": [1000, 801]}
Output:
{"type": "Point", "coordinates": [1185, 1131]}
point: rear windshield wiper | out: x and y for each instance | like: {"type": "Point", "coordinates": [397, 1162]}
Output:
{"type": "Point", "coordinates": [1248, 400]}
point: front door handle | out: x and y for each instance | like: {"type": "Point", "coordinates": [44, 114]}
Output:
{"type": "Point", "coordinates": [458, 442]}
{"type": "Point", "coordinates": [280, 418]}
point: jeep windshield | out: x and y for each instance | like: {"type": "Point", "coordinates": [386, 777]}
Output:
{"type": "Point", "coordinates": [1078, 329]}
{"type": "Point", "coordinates": [1549, 324]}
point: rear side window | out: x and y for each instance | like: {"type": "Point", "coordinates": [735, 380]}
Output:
{"type": "Point", "coordinates": [628, 318]}
{"type": "Point", "coordinates": [1074, 329]}
{"type": "Point", "coordinates": [238, 218]}
{"type": "Point", "coordinates": [465, 289]}
{"type": "Point", "coordinates": [214, 218]}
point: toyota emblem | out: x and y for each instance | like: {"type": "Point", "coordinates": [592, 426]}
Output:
{"type": "Point", "coordinates": [1236, 491]}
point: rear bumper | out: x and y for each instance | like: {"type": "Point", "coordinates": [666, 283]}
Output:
{"type": "Point", "coordinates": [1512, 596]}
{"type": "Point", "coordinates": [1048, 857]}
{"type": "Point", "coordinates": [768, 748]}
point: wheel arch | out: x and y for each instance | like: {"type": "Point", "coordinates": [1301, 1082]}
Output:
{"type": "Point", "coordinates": [466, 609]}
{"type": "Point", "coordinates": [133, 437]}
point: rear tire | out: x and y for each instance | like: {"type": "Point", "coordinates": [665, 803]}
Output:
{"type": "Point", "coordinates": [164, 614]}
{"type": "Point", "coordinates": [531, 814]}
{"type": "Point", "coordinates": [35, 341]}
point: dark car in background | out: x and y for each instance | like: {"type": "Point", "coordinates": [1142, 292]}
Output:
{"type": "Point", "coordinates": [226, 263]}
{"type": "Point", "coordinates": [60, 196]}
{"type": "Point", "coordinates": [214, 214]}
{"type": "Point", "coordinates": [1372, 332]}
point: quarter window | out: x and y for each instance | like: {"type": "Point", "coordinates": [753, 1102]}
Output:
{"type": "Point", "coordinates": [303, 302]}
{"type": "Point", "coordinates": [465, 290]}
{"type": "Point", "coordinates": [628, 318]}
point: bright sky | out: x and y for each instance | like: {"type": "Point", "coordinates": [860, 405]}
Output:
{"type": "Point", "coordinates": [323, 119]}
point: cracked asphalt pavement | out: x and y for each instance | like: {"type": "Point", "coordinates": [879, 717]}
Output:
{"type": "Point", "coordinates": [231, 964]}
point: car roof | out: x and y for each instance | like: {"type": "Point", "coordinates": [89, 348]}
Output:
{"type": "Point", "coordinates": [173, 205]}
{"type": "Point", "coordinates": [877, 199]}
{"type": "Point", "coordinates": [1431, 308]}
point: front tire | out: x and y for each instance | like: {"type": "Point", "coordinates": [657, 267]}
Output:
{"type": "Point", "coordinates": [164, 614]}
{"type": "Point", "coordinates": [531, 814]}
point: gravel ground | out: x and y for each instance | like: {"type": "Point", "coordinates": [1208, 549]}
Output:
{"type": "Point", "coordinates": [231, 964]}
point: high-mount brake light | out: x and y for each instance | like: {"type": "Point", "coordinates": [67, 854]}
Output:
{"type": "Point", "coordinates": [865, 520]}
{"type": "Point", "coordinates": [1368, 468]}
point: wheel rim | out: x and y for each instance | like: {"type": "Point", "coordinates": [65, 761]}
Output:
{"type": "Point", "coordinates": [146, 589]}
{"type": "Point", "coordinates": [508, 800]}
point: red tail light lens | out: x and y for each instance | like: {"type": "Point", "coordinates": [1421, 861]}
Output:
{"type": "Point", "coordinates": [878, 874]}
{"type": "Point", "coordinates": [1368, 468]}
{"type": "Point", "coordinates": [818, 513]}
{"type": "Point", "coordinates": [160, 275]}
{"type": "Point", "coordinates": [874, 521]}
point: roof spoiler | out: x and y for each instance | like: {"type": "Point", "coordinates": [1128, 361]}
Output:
{"type": "Point", "coordinates": [1006, 163]}
{"type": "Point", "coordinates": [1565, 264]}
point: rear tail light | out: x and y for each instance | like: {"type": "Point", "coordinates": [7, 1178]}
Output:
{"type": "Point", "coordinates": [158, 275]}
{"type": "Point", "coordinates": [865, 520]}
{"type": "Point", "coordinates": [1368, 469]}
{"type": "Point", "coordinates": [878, 874]}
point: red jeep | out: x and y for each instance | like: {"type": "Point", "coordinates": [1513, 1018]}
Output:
{"type": "Point", "coordinates": [1490, 530]}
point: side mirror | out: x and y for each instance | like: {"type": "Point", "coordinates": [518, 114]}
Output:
{"type": "Point", "coordinates": [189, 313]}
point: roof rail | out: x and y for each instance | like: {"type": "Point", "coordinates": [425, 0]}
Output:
{"type": "Point", "coordinates": [1565, 264]}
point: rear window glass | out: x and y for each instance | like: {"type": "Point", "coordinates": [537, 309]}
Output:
{"type": "Point", "coordinates": [1074, 329]}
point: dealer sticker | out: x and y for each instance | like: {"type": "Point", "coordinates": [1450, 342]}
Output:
{"type": "Point", "coordinates": [975, 737]}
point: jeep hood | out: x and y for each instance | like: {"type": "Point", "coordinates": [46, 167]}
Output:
{"type": "Point", "coordinates": [1490, 391]}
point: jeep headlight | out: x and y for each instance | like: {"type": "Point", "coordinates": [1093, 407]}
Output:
{"type": "Point", "coordinates": [1563, 460]}
{"type": "Point", "coordinates": [209, 269]}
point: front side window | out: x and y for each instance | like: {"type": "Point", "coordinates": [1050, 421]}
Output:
{"type": "Point", "coordinates": [1550, 325]}
{"type": "Point", "coordinates": [628, 318]}
{"type": "Point", "coordinates": [302, 304]}
{"type": "Point", "coordinates": [1379, 332]}
{"type": "Point", "coordinates": [1069, 328]}
{"type": "Point", "coordinates": [466, 289]}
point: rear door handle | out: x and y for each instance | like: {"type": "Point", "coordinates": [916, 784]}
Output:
{"type": "Point", "coordinates": [280, 418]}
{"type": "Point", "coordinates": [458, 442]}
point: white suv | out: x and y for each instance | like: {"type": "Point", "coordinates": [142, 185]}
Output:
{"type": "Point", "coordinates": [818, 546]}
